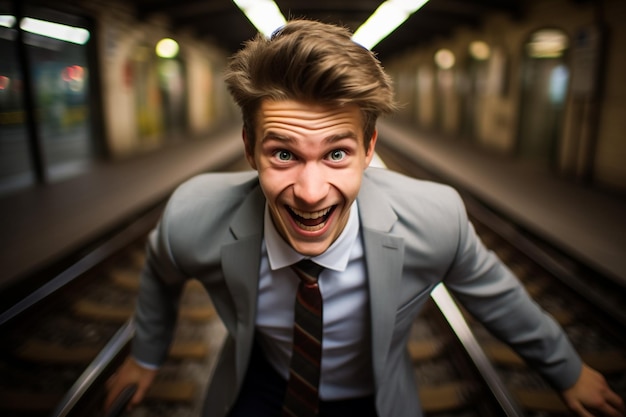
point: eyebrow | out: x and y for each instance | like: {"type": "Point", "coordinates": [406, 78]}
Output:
{"type": "Point", "coordinates": [330, 139]}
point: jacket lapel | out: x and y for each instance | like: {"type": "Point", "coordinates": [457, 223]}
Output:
{"type": "Point", "coordinates": [240, 264]}
{"type": "Point", "coordinates": [384, 255]}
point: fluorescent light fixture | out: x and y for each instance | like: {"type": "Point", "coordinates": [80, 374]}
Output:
{"type": "Point", "coordinates": [547, 43]}
{"type": "Point", "coordinates": [263, 14]}
{"type": "Point", "coordinates": [7, 21]}
{"type": "Point", "coordinates": [386, 19]}
{"type": "Point", "coordinates": [55, 30]}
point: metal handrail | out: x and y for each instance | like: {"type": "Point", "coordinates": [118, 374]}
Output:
{"type": "Point", "coordinates": [95, 369]}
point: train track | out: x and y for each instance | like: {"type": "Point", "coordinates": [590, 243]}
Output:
{"type": "Point", "coordinates": [58, 353]}
{"type": "Point", "coordinates": [587, 305]}
{"type": "Point", "coordinates": [62, 341]}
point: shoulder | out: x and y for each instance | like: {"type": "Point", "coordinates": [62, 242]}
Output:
{"type": "Point", "coordinates": [402, 190]}
{"type": "Point", "coordinates": [430, 217]}
{"type": "Point", "coordinates": [217, 184]}
{"type": "Point", "coordinates": [210, 193]}
{"type": "Point", "coordinates": [204, 206]}
{"type": "Point", "coordinates": [411, 207]}
{"type": "Point", "coordinates": [214, 188]}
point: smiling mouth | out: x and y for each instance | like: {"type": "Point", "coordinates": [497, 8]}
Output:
{"type": "Point", "coordinates": [310, 221]}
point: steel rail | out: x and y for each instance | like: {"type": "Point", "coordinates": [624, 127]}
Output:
{"type": "Point", "coordinates": [458, 325]}
{"type": "Point", "coordinates": [564, 270]}
{"type": "Point", "coordinates": [111, 246]}
{"type": "Point", "coordinates": [453, 315]}
{"type": "Point", "coordinates": [96, 368]}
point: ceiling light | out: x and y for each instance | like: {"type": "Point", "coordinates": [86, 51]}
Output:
{"type": "Point", "coordinates": [55, 30]}
{"type": "Point", "coordinates": [386, 19]}
{"type": "Point", "coordinates": [444, 58]}
{"type": "Point", "coordinates": [263, 14]}
{"type": "Point", "coordinates": [167, 48]}
{"type": "Point", "coordinates": [7, 21]}
{"type": "Point", "coordinates": [479, 50]}
{"type": "Point", "coordinates": [547, 43]}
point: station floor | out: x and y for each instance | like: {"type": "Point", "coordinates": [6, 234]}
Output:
{"type": "Point", "coordinates": [40, 224]}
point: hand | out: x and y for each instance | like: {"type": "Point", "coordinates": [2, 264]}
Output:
{"type": "Point", "coordinates": [591, 396]}
{"type": "Point", "coordinates": [130, 372]}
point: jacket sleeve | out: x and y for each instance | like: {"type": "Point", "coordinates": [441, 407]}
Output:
{"type": "Point", "coordinates": [493, 295]}
{"type": "Point", "coordinates": [159, 293]}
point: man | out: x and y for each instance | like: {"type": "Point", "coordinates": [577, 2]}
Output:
{"type": "Point", "coordinates": [310, 98]}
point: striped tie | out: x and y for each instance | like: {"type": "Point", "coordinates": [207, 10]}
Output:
{"type": "Point", "coordinates": [301, 398]}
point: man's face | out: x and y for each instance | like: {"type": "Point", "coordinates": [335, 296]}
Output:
{"type": "Point", "coordinates": [310, 160]}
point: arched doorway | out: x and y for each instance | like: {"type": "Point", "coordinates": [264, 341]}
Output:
{"type": "Point", "coordinates": [545, 76]}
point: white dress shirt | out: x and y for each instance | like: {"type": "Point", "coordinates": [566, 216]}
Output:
{"type": "Point", "coordinates": [346, 346]}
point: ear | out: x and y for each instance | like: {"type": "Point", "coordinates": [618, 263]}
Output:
{"type": "Point", "coordinates": [370, 148]}
{"type": "Point", "coordinates": [248, 148]}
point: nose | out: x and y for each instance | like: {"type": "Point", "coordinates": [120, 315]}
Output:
{"type": "Point", "coordinates": [311, 185]}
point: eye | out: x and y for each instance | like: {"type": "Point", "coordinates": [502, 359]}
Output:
{"type": "Point", "coordinates": [283, 155]}
{"type": "Point", "coordinates": [337, 155]}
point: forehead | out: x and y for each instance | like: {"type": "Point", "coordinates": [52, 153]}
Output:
{"type": "Point", "coordinates": [302, 117]}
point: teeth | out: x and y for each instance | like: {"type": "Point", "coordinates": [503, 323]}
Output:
{"type": "Point", "coordinates": [311, 215]}
{"type": "Point", "coordinates": [310, 228]}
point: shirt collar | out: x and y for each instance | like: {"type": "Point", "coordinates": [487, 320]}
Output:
{"type": "Point", "coordinates": [336, 257]}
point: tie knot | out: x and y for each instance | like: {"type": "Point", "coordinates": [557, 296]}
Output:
{"type": "Point", "coordinates": [308, 271]}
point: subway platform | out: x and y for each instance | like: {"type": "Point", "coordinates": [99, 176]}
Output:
{"type": "Point", "coordinates": [584, 223]}
{"type": "Point", "coordinates": [41, 224]}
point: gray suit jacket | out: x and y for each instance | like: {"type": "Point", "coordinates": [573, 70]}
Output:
{"type": "Point", "coordinates": [415, 234]}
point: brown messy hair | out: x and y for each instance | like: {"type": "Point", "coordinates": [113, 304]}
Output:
{"type": "Point", "coordinates": [313, 62]}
